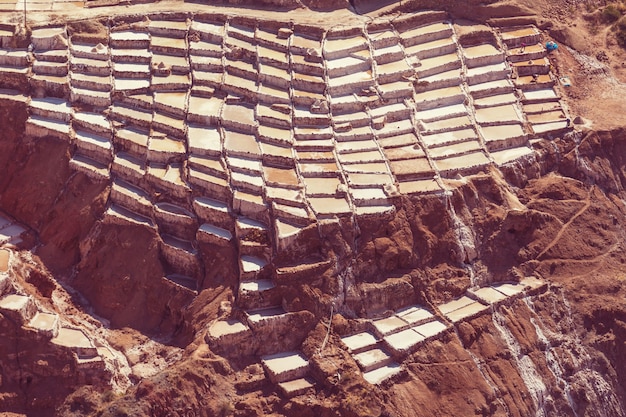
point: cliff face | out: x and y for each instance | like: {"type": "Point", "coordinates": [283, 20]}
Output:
{"type": "Point", "coordinates": [38, 189]}
{"type": "Point", "coordinates": [553, 352]}
{"type": "Point", "coordinates": [549, 354]}
{"type": "Point", "coordinates": [500, 295]}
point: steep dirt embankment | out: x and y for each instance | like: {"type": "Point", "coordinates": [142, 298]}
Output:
{"type": "Point", "coordinates": [557, 353]}
{"type": "Point", "coordinates": [476, 10]}
{"type": "Point", "coordinates": [48, 346]}
{"type": "Point", "coordinates": [116, 266]}
{"type": "Point", "coordinates": [38, 188]}
{"type": "Point", "coordinates": [553, 353]}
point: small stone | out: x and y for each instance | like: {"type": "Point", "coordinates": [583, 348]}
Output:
{"type": "Point", "coordinates": [313, 55]}
{"type": "Point", "coordinates": [225, 308]}
{"type": "Point", "coordinates": [391, 190]}
{"type": "Point", "coordinates": [368, 92]}
{"type": "Point", "coordinates": [284, 33]}
{"type": "Point", "coordinates": [319, 107]}
{"type": "Point", "coordinates": [312, 52]}
{"type": "Point", "coordinates": [341, 190]}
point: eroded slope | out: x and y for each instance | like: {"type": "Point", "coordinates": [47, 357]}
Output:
{"type": "Point", "coordinates": [492, 293]}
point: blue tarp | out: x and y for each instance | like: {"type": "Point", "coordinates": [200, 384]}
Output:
{"type": "Point", "coordinates": [551, 46]}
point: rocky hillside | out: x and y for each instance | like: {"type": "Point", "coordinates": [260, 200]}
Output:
{"type": "Point", "coordinates": [554, 351]}
{"type": "Point", "coordinates": [498, 291]}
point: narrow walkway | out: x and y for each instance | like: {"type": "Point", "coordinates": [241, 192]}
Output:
{"type": "Point", "coordinates": [558, 236]}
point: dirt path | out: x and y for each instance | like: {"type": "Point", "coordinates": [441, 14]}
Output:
{"type": "Point", "coordinates": [558, 236]}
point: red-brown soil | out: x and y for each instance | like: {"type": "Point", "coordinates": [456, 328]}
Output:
{"type": "Point", "coordinates": [579, 250]}
{"type": "Point", "coordinates": [558, 352]}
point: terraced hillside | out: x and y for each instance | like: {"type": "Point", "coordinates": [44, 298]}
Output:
{"type": "Point", "coordinates": [385, 217]}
